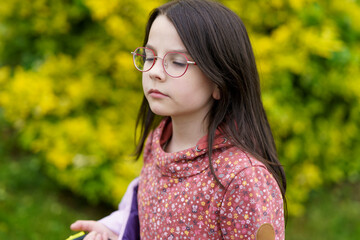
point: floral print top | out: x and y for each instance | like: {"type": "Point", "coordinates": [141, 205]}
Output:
{"type": "Point", "coordinates": [178, 197]}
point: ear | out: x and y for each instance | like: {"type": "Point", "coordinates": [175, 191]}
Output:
{"type": "Point", "coordinates": [216, 93]}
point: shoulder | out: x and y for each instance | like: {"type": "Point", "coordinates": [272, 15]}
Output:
{"type": "Point", "coordinates": [237, 169]}
{"type": "Point", "coordinates": [233, 161]}
{"type": "Point", "coordinates": [251, 203]}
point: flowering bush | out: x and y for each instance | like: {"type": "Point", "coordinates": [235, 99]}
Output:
{"type": "Point", "coordinates": [70, 92]}
{"type": "Point", "coordinates": [309, 57]}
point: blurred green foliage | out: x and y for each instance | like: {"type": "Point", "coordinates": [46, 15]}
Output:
{"type": "Point", "coordinates": [69, 91]}
{"type": "Point", "coordinates": [23, 187]}
{"type": "Point", "coordinates": [34, 207]}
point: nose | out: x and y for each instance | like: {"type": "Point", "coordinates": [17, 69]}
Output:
{"type": "Point", "coordinates": [157, 71]}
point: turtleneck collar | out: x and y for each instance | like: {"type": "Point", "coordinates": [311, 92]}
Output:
{"type": "Point", "coordinates": [184, 163]}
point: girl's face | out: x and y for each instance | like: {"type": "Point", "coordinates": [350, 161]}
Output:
{"type": "Point", "coordinates": [189, 96]}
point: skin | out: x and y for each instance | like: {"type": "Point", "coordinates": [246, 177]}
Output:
{"type": "Point", "coordinates": [186, 100]}
{"type": "Point", "coordinates": [97, 231]}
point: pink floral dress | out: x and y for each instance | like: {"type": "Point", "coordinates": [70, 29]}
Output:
{"type": "Point", "coordinates": [178, 197]}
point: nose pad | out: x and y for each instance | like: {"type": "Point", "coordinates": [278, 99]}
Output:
{"type": "Point", "coordinates": [165, 63]}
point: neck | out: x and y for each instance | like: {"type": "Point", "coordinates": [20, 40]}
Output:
{"type": "Point", "coordinates": [186, 133]}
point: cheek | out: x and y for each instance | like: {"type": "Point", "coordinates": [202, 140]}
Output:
{"type": "Point", "coordinates": [144, 82]}
{"type": "Point", "coordinates": [195, 93]}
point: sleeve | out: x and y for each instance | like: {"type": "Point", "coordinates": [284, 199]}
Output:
{"type": "Point", "coordinates": [252, 207]}
{"type": "Point", "coordinates": [117, 221]}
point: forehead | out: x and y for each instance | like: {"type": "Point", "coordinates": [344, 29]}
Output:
{"type": "Point", "coordinates": [163, 36]}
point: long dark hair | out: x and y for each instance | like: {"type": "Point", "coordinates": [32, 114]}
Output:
{"type": "Point", "coordinates": [217, 40]}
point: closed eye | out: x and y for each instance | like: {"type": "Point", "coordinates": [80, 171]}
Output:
{"type": "Point", "coordinates": [178, 64]}
{"type": "Point", "coordinates": [149, 59]}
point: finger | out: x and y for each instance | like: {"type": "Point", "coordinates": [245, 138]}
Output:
{"type": "Point", "coordinates": [80, 225]}
{"type": "Point", "coordinates": [76, 226]}
{"type": "Point", "coordinates": [105, 236]}
{"type": "Point", "coordinates": [90, 236]}
{"type": "Point", "coordinates": [98, 236]}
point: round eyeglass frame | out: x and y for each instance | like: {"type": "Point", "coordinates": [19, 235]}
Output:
{"type": "Point", "coordinates": [188, 62]}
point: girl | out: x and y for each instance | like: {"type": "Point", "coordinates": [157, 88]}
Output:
{"type": "Point", "coordinates": [210, 165]}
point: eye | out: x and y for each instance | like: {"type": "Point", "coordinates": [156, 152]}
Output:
{"type": "Point", "coordinates": [179, 63]}
{"type": "Point", "coordinates": [149, 59]}
{"type": "Point", "coordinates": [176, 60]}
{"type": "Point", "coordinates": [148, 56]}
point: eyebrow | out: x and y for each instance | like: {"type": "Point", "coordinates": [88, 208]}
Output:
{"type": "Point", "coordinates": [172, 50]}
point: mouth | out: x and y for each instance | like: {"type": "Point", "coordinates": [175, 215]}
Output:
{"type": "Point", "coordinates": [156, 93]}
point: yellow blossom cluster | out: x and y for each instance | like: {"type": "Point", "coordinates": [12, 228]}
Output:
{"type": "Point", "coordinates": [70, 93]}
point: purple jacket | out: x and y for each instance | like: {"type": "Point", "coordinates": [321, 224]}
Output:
{"type": "Point", "coordinates": [125, 221]}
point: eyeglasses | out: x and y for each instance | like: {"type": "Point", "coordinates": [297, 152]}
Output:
{"type": "Point", "coordinates": [175, 64]}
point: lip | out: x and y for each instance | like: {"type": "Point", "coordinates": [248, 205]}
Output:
{"type": "Point", "coordinates": [156, 93]}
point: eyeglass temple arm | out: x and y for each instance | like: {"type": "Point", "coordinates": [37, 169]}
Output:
{"type": "Point", "coordinates": [188, 62]}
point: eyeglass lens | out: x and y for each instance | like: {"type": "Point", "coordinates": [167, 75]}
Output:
{"type": "Point", "coordinates": [175, 64]}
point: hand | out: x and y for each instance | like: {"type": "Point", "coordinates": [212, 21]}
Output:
{"type": "Point", "coordinates": [97, 231]}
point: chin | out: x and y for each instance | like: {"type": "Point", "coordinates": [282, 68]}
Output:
{"type": "Point", "coordinates": [159, 112]}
